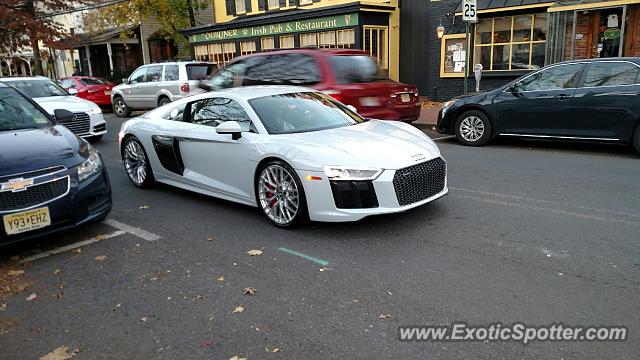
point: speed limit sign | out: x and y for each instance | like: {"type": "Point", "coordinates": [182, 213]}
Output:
{"type": "Point", "coordinates": [469, 10]}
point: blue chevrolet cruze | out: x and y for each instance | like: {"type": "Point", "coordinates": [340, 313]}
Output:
{"type": "Point", "coordinates": [50, 179]}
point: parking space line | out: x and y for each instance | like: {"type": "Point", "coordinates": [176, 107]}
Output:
{"type": "Point", "coordinates": [304, 256]}
{"type": "Point", "coordinates": [71, 246]}
{"type": "Point", "coordinates": [443, 137]}
{"type": "Point", "coordinates": [143, 234]}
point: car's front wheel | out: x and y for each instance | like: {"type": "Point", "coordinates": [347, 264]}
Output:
{"type": "Point", "coordinates": [280, 195]}
{"type": "Point", "coordinates": [120, 108]}
{"type": "Point", "coordinates": [473, 128]}
{"type": "Point", "coordinates": [136, 163]}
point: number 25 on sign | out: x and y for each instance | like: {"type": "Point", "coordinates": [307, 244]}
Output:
{"type": "Point", "coordinates": [469, 10]}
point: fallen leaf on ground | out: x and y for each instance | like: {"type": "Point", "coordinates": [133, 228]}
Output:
{"type": "Point", "coordinates": [144, 319]}
{"type": "Point", "coordinates": [238, 309]}
{"type": "Point", "coordinates": [56, 271]}
{"type": "Point", "coordinates": [15, 258]}
{"type": "Point", "coordinates": [15, 272]}
{"type": "Point", "coordinates": [389, 292]}
{"type": "Point", "coordinates": [249, 291]}
{"type": "Point", "coordinates": [31, 297]}
{"type": "Point", "coordinates": [210, 238]}
{"type": "Point", "coordinates": [61, 353]}
{"type": "Point", "coordinates": [325, 269]}
{"type": "Point", "coordinates": [100, 258]}
{"type": "Point", "coordinates": [3, 307]}
{"type": "Point", "coordinates": [254, 252]}
{"type": "Point", "coordinates": [384, 316]}
{"type": "Point", "coordinates": [237, 358]}
{"type": "Point", "coordinates": [76, 251]}
{"type": "Point", "coordinates": [275, 350]}
{"type": "Point", "coordinates": [143, 207]}
{"type": "Point", "coordinates": [101, 237]}
{"type": "Point", "coordinates": [221, 278]}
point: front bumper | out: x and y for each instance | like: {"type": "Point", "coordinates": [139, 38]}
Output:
{"type": "Point", "coordinates": [98, 126]}
{"type": "Point", "coordinates": [322, 207]}
{"type": "Point", "coordinates": [85, 202]}
{"type": "Point", "coordinates": [445, 124]}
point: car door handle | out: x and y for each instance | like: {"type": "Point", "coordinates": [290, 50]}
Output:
{"type": "Point", "coordinates": [561, 97]}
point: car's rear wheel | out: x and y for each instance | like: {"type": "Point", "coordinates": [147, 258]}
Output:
{"type": "Point", "coordinates": [473, 128]}
{"type": "Point", "coordinates": [280, 195]}
{"type": "Point", "coordinates": [636, 138]}
{"type": "Point", "coordinates": [163, 101]}
{"type": "Point", "coordinates": [136, 163]}
{"type": "Point", "coordinates": [120, 108]}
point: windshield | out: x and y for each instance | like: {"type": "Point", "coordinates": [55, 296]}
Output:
{"type": "Point", "coordinates": [354, 69]}
{"type": "Point", "coordinates": [302, 112]}
{"type": "Point", "coordinates": [18, 113]}
{"type": "Point", "coordinates": [37, 88]}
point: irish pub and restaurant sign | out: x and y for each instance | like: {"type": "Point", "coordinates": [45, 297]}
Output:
{"type": "Point", "coordinates": [317, 24]}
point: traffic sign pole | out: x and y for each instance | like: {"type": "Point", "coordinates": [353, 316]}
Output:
{"type": "Point", "coordinates": [466, 59]}
{"type": "Point", "coordinates": [469, 14]}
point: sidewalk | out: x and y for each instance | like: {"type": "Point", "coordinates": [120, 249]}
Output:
{"type": "Point", "coordinates": [428, 116]}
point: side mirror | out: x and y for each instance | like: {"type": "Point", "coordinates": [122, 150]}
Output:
{"type": "Point", "coordinates": [125, 81]}
{"type": "Point", "coordinates": [230, 127]}
{"type": "Point", "coordinates": [63, 115]}
{"type": "Point", "coordinates": [72, 91]}
{"type": "Point", "coordinates": [352, 108]}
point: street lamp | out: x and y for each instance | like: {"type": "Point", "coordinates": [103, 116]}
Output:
{"type": "Point", "coordinates": [440, 31]}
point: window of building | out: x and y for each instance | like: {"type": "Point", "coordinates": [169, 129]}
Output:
{"type": "Point", "coordinates": [247, 47]}
{"type": "Point", "coordinates": [240, 7]}
{"type": "Point", "coordinates": [305, 2]}
{"type": "Point", "coordinates": [161, 49]}
{"type": "Point", "coordinates": [287, 42]}
{"type": "Point", "coordinates": [611, 74]}
{"type": "Point", "coordinates": [511, 42]}
{"type": "Point", "coordinates": [452, 55]}
{"type": "Point", "coordinates": [267, 43]}
{"type": "Point", "coordinates": [375, 42]}
{"type": "Point", "coordinates": [216, 53]}
{"type": "Point", "coordinates": [346, 38]}
{"type": "Point", "coordinates": [274, 4]}
{"type": "Point", "coordinates": [327, 39]}
{"type": "Point", "coordinates": [309, 40]}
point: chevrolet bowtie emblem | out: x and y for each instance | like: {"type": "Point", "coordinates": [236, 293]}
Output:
{"type": "Point", "coordinates": [15, 185]}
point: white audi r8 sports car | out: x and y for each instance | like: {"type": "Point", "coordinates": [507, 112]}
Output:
{"type": "Point", "coordinates": [295, 153]}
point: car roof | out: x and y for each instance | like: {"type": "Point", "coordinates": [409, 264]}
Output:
{"type": "Point", "coordinates": [630, 59]}
{"type": "Point", "coordinates": [18, 78]}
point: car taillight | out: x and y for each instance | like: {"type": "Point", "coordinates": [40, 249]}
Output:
{"type": "Point", "coordinates": [335, 94]}
{"type": "Point", "coordinates": [184, 87]}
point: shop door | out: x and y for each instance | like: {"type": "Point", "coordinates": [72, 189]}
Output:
{"type": "Point", "coordinates": [606, 32]}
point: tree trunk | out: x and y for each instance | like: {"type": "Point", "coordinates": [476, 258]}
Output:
{"type": "Point", "coordinates": [192, 16]}
{"type": "Point", "coordinates": [36, 53]}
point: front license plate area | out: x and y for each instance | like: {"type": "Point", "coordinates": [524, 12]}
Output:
{"type": "Point", "coordinates": [405, 97]}
{"type": "Point", "coordinates": [26, 221]}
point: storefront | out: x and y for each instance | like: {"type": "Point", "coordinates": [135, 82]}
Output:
{"type": "Point", "coordinates": [350, 26]}
{"type": "Point", "coordinates": [512, 38]}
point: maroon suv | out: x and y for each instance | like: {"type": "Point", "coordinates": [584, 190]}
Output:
{"type": "Point", "coordinates": [350, 76]}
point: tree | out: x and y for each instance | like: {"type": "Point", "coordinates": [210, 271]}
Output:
{"type": "Point", "coordinates": [172, 15]}
{"type": "Point", "coordinates": [25, 23]}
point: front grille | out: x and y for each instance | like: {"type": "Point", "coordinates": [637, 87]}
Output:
{"type": "Point", "coordinates": [34, 195]}
{"type": "Point", "coordinates": [33, 174]}
{"type": "Point", "coordinates": [354, 194]}
{"type": "Point", "coordinates": [420, 181]}
{"type": "Point", "coordinates": [80, 124]}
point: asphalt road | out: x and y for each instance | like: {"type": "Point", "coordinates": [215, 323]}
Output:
{"type": "Point", "coordinates": [533, 232]}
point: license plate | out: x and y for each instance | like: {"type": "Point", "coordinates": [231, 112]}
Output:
{"type": "Point", "coordinates": [107, 92]}
{"type": "Point", "coordinates": [26, 221]}
{"type": "Point", "coordinates": [405, 97]}
{"type": "Point", "coordinates": [369, 101]}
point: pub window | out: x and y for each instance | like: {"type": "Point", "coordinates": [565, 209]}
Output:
{"type": "Point", "coordinates": [240, 7]}
{"type": "Point", "coordinates": [216, 53]}
{"type": "Point", "coordinates": [306, 2]}
{"type": "Point", "coordinates": [267, 43]}
{"type": "Point", "coordinates": [309, 40]}
{"type": "Point", "coordinates": [511, 42]}
{"type": "Point", "coordinates": [452, 55]}
{"type": "Point", "coordinates": [346, 38]}
{"type": "Point", "coordinates": [274, 4]}
{"type": "Point", "coordinates": [327, 39]}
{"type": "Point", "coordinates": [375, 42]}
{"type": "Point", "coordinates": [247, 47]}
{"type": "Point", "coordinates": [287, 42]}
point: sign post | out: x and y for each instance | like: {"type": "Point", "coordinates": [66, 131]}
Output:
{"type": "Point", "coordinates": [469, 15]}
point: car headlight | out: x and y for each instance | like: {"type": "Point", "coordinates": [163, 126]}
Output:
{"type": "Point", "coordinates": [90, 166]}
{"type": "Point", "coordinates": [95, 110]}
{"type": "Point", "coordinates": [448, 104]}
{"type": "Point", "coordinates": [347, 173]}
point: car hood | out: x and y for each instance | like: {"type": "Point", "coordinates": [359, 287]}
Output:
{"type": "Point", "coordinates": [71, 103]}
{"type": "Point", "coordinates": [376, 143]}
{"type": "Point", "coordinates": [34, 149]}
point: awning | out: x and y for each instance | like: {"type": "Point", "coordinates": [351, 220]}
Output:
{"type": "Point", "coordinates": [101, 37]}
{"type": "Point", "coordinates": [570, 5]}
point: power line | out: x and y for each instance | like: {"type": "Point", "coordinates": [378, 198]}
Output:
{"type": "Point", "coordinates": [82, 8]}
